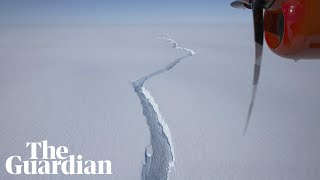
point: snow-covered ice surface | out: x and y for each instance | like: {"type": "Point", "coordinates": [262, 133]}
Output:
{"type": "Point", "coordinates": [69, 85]}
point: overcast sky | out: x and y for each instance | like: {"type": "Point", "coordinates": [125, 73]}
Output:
{"type": "Point", "coordinates": [118, 11]}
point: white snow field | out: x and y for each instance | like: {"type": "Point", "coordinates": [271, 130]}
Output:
{"type": "Point", "coordinates": [70, 85]}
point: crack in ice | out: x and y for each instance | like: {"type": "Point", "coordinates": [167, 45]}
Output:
{"type": "Point", "coordinates": [159, 155]}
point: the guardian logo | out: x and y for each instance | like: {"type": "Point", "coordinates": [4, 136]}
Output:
{"type": "Point", "coordinates": [54, 161]}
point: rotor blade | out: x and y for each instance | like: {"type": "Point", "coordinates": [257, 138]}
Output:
{"type": "Point", "coordinates": [238, 4]}
{"type": "Point", "coordinates": [257, 11]}
{"type": "Point", "coordinates": [248, 2]}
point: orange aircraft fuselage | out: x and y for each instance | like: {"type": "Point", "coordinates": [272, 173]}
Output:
{"type": "Point", "coordinates": [292, 28]}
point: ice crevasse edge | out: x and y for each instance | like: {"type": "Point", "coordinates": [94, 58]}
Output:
{"type": "Point", "coordinates": [159, 155]}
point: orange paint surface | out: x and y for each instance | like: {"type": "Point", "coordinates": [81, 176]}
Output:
{"type": "Point", "coordinates": [301, 29]}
